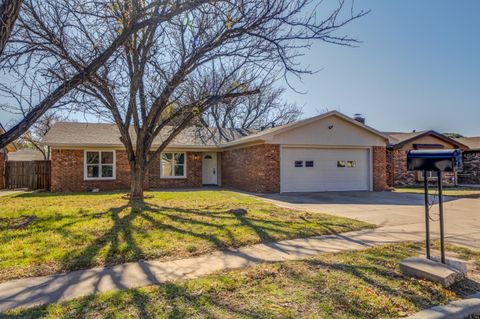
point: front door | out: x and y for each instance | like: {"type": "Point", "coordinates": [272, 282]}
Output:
{"type": "Point", "coordinates": [210, 173]}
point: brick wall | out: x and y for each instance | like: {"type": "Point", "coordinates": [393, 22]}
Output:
{"type": "Point", "coordinates": [471, 168]}
{"type": "Point", "coordinates": [389, 167]}
{"type": "Point", "coordinates": [380, 176]}
{"type": "Point", "coordinates": [403, 177]}
{"type": "Point", "coordinates": [2, 169]}
{"type": "Point", "coordinates": [68, 174]}
{"type": "Point", "coordinates": [255, 168]}
{"type": "Point", "coordinates": [193, 179]}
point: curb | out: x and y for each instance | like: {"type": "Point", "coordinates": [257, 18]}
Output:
{"type": "Point", "coordinates": [459, 309]}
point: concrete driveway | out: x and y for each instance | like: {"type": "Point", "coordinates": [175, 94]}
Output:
{"type": "Point", "coordinates": [386, 209]}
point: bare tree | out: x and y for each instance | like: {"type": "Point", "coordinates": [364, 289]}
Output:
{"type": "Point", "coordinates": [34, 136]}
{"type": "Point", "coordinates": [167, 75]}
{"type": "Point", "coordinates": [34, 55]}
{"type": "Point", "coordinates": [252, 113]}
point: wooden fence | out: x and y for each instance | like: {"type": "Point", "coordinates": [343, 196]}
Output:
{"type": "Point", "coordinates": [27, 174]}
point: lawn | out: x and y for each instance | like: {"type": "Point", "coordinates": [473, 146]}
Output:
{"type": "Point", "coordinates": [355, 284]}
{"type": "Point", "coordinates": [463, 192]}
{"type": "Point", "coordinates": [77, 231]}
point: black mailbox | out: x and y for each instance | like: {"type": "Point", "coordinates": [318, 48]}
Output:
{"type": "Point", "coordinates": [435, 160]}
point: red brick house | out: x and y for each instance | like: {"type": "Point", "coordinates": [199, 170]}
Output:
{"type": "Point", "coordinates": [401, 143]}
{"type": "Point", "coordinates": [329, 152]}
{"type": "Point", "coordinates": [470, 175]}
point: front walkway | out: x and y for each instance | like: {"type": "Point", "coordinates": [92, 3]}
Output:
{"type": "Point", "coordinates": [5, 192]}
{"type": "Point", "coordinates": [41, 290]}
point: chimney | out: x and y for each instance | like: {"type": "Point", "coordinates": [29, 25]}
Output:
{"type": "Point", "coordinates": [359, 117]}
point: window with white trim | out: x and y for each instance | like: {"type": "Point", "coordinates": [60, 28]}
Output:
{"type": "Point", "coordinates": [99, 164]}
{"type": "Point", "coordinates": [173, 165]}
{"type": "Point", "coordinates": [432, 175]}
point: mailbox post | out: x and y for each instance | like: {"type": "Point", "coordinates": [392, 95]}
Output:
{"type": "Point", "coordinates": [434, 161]}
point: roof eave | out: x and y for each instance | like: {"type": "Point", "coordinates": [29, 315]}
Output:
{"type": "Point", "coordinates": [436, 134]}
{"type": "Point", "coordinates": [96, 145]}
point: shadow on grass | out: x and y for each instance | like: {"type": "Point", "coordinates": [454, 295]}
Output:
{"type": "Point", "coordinates": [118, 245]}
{"type": "Point", "coordinates": [326, 281]}
{"type": "Point", "coordinates": [212, 228]}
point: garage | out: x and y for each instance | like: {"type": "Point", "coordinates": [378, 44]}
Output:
{"type": "Point", "coordinates": [325, 169]}
{"type": "Point", "coordinates": [328, 152]}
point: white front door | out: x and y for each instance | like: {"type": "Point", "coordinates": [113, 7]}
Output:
{"type": "Point", "coordinates": [209, 168]}
{"type": "Point", "coordinates": [320, 170]}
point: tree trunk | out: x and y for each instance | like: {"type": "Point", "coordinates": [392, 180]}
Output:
{"type": "Point", "coordinates": [9, 10]}
{"type": "Point", "coordinates": [137, 183]}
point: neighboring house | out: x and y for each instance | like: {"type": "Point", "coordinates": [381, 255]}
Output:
{"type": "Point", "coordinates": [26, 154]}
{"type": "Point", "coordinates": [401, 143]}
{"type": "Point", "coordinates": [329, 152]}
{"type": "Point", "coordinates": [471, 161]}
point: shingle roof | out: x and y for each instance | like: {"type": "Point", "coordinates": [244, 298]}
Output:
{"type": "Point", "coordinates": [472, 142]}
{"type": "Point", "coordinates": [399, 137]}
{"type": "Point", "coordinates": [99, 134]}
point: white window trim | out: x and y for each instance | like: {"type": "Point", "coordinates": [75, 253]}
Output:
{"type": "Point", "coordinates": [85, 172]}
{"type": "Point", "coordinates": [420, 178]}
{"type": "Point", "coordinates": [184, 166]}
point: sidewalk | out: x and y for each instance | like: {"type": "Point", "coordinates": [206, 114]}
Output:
{"type": "Point", "coordinates": [29, 292]}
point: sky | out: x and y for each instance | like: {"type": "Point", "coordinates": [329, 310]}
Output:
{"type": "Point", "coordinates": [418, 67]}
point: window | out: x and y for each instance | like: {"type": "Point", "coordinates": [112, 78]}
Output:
{"type": "Point", "coordinates": [173, 165]}
{"type": "Point", "coordinates": [298, 163]}
{"type": "Point", "coordinates": [349, 164]}
{"type": "Point", "coordinates": [99, 165]}
{"type": "Point", "coordinates": [432, 175]}
{"type": "Point", "coordinates": [308, 163]}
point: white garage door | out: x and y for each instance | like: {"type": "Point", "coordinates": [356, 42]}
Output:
{"type": "Point", "coordinates": [319, 170]}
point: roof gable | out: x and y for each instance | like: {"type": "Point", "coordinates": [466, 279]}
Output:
{"type": "Point", "coordinates": [398, 140]}
{"type": "Point", "coordinates": [269, 134]}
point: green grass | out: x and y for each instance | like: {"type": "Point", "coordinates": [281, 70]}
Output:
{"type": "Point", "coordinates": [463, 253]}
{"type": "Point", "coordinates": [463, 192]}
{"type": "Point", "coordinates": [78, 231]}
{"type": "Point", "coordinates": [355, 284]}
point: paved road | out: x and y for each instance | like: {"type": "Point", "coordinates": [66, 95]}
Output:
{"type": "Point", "coordinates": [462, 216]}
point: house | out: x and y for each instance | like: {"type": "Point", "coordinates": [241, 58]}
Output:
{"type": "Point", "coordinates": [25, 154]}
{"type": "Point", "coordinates": [401, 143]}
{"type": "Point", "coordinates": [470, 174]}
{"type": "Point", "coordinates": [329, 152]}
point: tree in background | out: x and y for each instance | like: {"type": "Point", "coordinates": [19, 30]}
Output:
{"type": "Point", "coordinates": [251, 113]}
{"type": "Point", "coordinates": [33, 138]}
{"type": "Point", "coordinates": [165, 76]}
{"type": "Point", "coordinates": [453, 135]}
